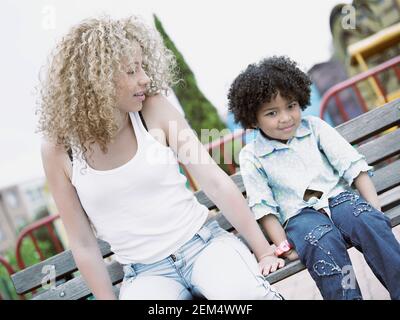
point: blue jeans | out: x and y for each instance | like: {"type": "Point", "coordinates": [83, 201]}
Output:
{"type": "Point", "coordinates": [214, 264]}
{"type": "Point", "coordinates": [321, 241]}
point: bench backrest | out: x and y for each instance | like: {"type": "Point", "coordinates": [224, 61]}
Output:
{"type": "Point", "coordinates": [377, 151]}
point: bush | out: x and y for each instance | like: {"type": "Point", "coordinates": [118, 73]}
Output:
{"type": "Point", "coordinates": [30, 257]}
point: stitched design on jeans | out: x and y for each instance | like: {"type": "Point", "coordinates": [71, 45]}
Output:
{"type": "Point", "coordinates": [322, 267]}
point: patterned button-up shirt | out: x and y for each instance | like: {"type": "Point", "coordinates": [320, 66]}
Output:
{"type": "Point", "coordinates": [317, 157]}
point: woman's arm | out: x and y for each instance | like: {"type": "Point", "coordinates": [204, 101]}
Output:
{"type": "Point", "coordinates": [82, 241]}
{"type": "Point", "coordinates": [365, 186]}
{"type": "Point", "coordinates": [213, 180]}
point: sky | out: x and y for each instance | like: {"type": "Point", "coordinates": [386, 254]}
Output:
{"type": "Point", "coordinates": [218, 39]}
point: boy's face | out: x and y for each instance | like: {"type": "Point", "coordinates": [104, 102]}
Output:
{"type": "Point", "coordinates": [279, 118]}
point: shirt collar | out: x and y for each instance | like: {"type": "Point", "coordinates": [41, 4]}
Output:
{"type": "Point", "coordinates": [264, 146]}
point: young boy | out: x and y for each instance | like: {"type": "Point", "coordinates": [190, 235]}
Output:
{"type": "Point", "coordinates": [297, 174]}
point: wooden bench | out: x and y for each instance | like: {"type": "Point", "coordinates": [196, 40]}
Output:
{"type": "Point", "coordinates": [382, 151]}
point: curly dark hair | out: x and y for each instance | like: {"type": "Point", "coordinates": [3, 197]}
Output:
{"type": "Point", "coordinates": [260, 83]}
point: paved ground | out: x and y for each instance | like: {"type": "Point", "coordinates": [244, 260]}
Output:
{"type": "Point", "coordinates": [301, 286]}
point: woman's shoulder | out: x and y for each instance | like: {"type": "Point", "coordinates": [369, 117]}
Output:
{"type": "Point", "coordinates": [153, 108]}
{"type": "Point", "coordinates": [55, 158]}
{"type": "Point", "coordinates": [159, 112]}
{"type": "Point", "coordinates": [50, 149]}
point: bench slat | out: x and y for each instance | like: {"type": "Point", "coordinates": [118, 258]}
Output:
{"type": "Point", "coordinates": [77, 289]}
{"type": "Point", "coordinates": [387, 177]}
{"type": "Point", "coordinates": [31, 277]}
{"type": "Point", "coordinates": [390, 198]}
{"type": "Point", "coordinates": [370, 123]}
{"type": "Point", "coordinates": [381, 148]}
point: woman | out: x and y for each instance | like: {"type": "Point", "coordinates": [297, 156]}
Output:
{"type": "Point", "coordinates": [102, 90]}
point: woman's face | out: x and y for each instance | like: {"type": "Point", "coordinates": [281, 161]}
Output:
{"type": "Point", "coordinates": [132, 83]}
{"type": "Point", "coordinates": [279, 118]}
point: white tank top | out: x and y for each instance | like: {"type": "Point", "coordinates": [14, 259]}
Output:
{"type": "Point", "coordinates": [142, 208]}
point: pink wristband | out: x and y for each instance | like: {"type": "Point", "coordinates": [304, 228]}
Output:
{"type": "Point", "coordinates": [283, 247]}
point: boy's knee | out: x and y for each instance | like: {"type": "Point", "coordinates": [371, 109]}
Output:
{"type": "Point", "coordinates": [373, 220]}
{"type": "Point", "coordinates": [322, 240]}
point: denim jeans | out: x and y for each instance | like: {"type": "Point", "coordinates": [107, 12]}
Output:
{"type": "Point", "coordinates": [321, 245]}
{"type": "Point", "coordinates": [214, 264]}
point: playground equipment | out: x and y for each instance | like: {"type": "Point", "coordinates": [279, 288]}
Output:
{"type": "Point", "coordinates": [335, 91]}
{"type": "Point", "coordinates": [361, 51]}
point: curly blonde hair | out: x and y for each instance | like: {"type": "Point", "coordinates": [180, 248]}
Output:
{"type": "Point", "coordinates": [78, 93]}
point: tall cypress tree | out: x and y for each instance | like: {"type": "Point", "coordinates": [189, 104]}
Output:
{"type": "Point", "coordinates": [200, 113]}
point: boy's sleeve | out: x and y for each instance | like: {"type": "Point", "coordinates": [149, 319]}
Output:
{"type": "Point", "coordinates": [259, 195]}
{"type": "Point", "coordinates": [343, 157]}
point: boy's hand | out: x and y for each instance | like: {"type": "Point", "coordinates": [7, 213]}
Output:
{"type": "Point", "coordinates": [291, 255]}
{"type": "Point", "coordinates": [269, 264]}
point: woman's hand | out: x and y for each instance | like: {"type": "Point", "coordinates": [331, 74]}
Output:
{"type": "Point", "coordinates": [269, 264]}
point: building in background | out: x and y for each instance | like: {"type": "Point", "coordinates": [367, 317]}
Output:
{"type": "Point", "coordinates": [20, 205]}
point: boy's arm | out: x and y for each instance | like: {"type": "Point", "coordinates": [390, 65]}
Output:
{"type": "Point", "coordinates": [273, 228]}
{"type": "Point", "coordinates": [342, 156]}
{"type": "Point", "coordinates": [277, 234]}
{"type": "Point", "coordinates": [364, 185]}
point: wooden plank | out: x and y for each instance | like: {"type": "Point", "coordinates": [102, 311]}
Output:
{"type": "Point", "coordinates": [394, 216]}
{"type": "Point", "coordinates": [285, 272]}
{"type": "Point", "coordinates": [31, 277]}
{"type": "Point", "coordinates": [381, 148]}
{"type": "Point", "coordinates": [371, 123]}
{"type": "Point", "coordinates": [390, 198]}
{"type": "Point", "coordinates": [77, 289]}
{"type": "Point", "coordinates": [387, 177]}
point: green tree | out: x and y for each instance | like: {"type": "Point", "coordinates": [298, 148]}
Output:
{"type": "Point", "coordinates": [200, 113]}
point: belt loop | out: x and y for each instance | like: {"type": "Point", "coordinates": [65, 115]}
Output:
{"type": "Point", "coordinates": [205, 233]}
{"type": "Point", "coordinates": [129, 271]}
